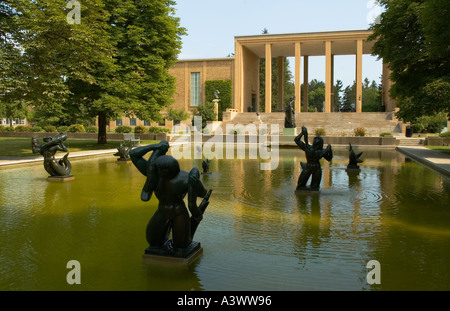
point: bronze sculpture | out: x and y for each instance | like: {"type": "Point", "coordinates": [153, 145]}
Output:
{"type": "Point", "coordinates": [289, 119]}
{"type": "Point", "coordinates": [353, 159]}
{"type": "Point", "coordinates": [51, 145]}
{"type": "Point", "coordinates": [312, 168]}
{"type": "Point", "coordinates": [170, 185]}
{"type": "Point", "coordinates": [205, 166]}
{"type": "Point", "coordinates": [123, 152]}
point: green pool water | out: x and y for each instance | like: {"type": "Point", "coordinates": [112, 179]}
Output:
{"type": "Point", "coordinates": [257, 233]}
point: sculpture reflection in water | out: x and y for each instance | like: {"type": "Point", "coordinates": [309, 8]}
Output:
{"type": "Point", "coordinates": [170, 185]}
{"type": "Point", "coordinates": [56, 168]}
{"type": "Point", "coordinates": [312, 168]}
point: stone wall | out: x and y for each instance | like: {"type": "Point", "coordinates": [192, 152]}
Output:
{"type": "Point", "coordinates": [437, 141]}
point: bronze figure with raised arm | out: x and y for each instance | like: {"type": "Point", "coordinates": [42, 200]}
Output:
{"type": "Point", "coordinates": [170, 185]}
{"type": "Point", "coordinates": [313, 154]}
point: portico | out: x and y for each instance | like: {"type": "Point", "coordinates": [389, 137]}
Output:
{"type": "Point", "coordinates": [250, 49]}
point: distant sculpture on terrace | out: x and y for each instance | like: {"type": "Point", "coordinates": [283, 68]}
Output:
{"type": "Point", "coordinates": [312, 168]}
{"type": "Point", "coordinates": [56, 168]}
{"type": "Point", "coordinates": [170, 185]}
{"type": "Point", "coordinates": [353, 159]}
{"type": "Point", "coordinates": [289, 119]}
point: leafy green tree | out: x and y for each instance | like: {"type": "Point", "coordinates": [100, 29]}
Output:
{"type": "Point", "coordinates": [348, 100]}
{"type": "Point", "coordinates": [412, 37]}
{"type": "Point", "coordinates": [371, 96]}
{"type": "Point", "coordinates": [177, 115]}
{"type": "Point", "coordinates": [205, 111]}
{"type": "Point", "coordinates": [316, 95]}
{"type": "Point", "coordinates": [338, 89]}
{"type": "Point", "coordinates": [12, 84]}
{"type": "Point", "coordinates": [146, 37]}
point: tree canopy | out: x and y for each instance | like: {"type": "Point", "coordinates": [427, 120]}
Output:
{"type": "Point", "coordinates": [413, 39]}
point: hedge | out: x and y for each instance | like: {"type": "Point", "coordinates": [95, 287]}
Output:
{"type": "Point", "coordinates": [225, 87]}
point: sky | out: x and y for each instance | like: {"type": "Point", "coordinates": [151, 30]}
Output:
{"type": "Point", "coordinates": [212, 25]}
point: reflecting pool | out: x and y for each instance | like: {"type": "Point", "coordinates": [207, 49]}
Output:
{"type": "Point", "coordinates": [257, 233]}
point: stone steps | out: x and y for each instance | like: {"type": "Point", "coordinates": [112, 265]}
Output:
{"type": "Point", "coordinates": [342, 124]}
{"type": "Point", "coordinates": [405, 141]}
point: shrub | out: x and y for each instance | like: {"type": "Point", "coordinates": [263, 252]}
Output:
{"type": "Point", "coordinates": [76, 128]}
{"type": "Point", "coordinates": [177, 115]}
{"type": "Point", "coordinates": [9, 129]}
{"type": "Point", "coordinates": [430, 124]}
{"type": "Point", "coordinates": [385, 134]}
{"type": "Point", "coordinates": [50, 128]}
{"type": "Point", "coordinates": [91, 129]}
{"type": "Point", "coordinates": [21, 128]}
{"type": "Point", "coordinates": [62, 129]}
{"type": "Point", "coordinates": [205, 111]}
{"type": "Point", "coordinates": [360, 131]}
{"type": "Point", "coordinates": [319, 131]}
{"type": "Point", "coordinates": [156, 130]}
{"type": "Point", "coordinates": [2, 128]}
{"type": "Point", "coordinates": [446, 134]}
{"type": "Point", "coordinates": [36, 129]}
{"type": "Point", "coordinates": [124, 129]}
{"type": "Point", "coordinates": [140, 129]}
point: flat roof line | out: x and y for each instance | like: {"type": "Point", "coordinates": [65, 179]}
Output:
{"type": "Point", "coordinates": [305, 33]}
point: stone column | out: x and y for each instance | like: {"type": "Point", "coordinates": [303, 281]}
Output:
{"type": "Point", "coordinates": [359, 51]}
{"type": "Point", "coordinates": [280, 82]}
{"type": "Point", "coordinates": [216, 108]}
{"type": "Point", "coordinates": [268, 84]}
{"type": "Point", "coordinates": [328, 76]}
{"type": "Point", "coordinates": [305, 83]}
{"type": "Point", "coordinates": [239, 79]}
{"type": "Point", "coordinates": [298, 88]}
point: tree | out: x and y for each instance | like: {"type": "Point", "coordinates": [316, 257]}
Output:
{"type": "Point", "coordinates": [371, 95]}
{"type": "Point", "coordinates": [206, 112]}
{"type": "Point", "coordinates": [337, 98]}
{"type": "Point", "coordinates": [177, 115]}
{"type": "Point", "coordinates": [12, 103]}
{"type": "Point", "coordinates": [348, 100]}
{"type": "Point", "coordinates": [50, 52]}
{"type": "Point", "coordinates": [412, 38]}
{"type": "Point", "coordinates": [316, 95]}
{"type": "Point", "coordinates": [146, 39]}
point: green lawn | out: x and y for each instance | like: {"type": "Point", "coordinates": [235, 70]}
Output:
{"type": "Point", "coordinates": [21, 147]}
{"type": "Point", "coordinates": [444, 149]}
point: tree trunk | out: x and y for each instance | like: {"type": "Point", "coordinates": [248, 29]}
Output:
{"type": "Point", "coordinates": [102, 128]}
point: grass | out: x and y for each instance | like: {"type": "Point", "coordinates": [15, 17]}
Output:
{"type": "Point", "coordinates": [444, 149]}
{"type": "Point", "coordinates": [21, 147]}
